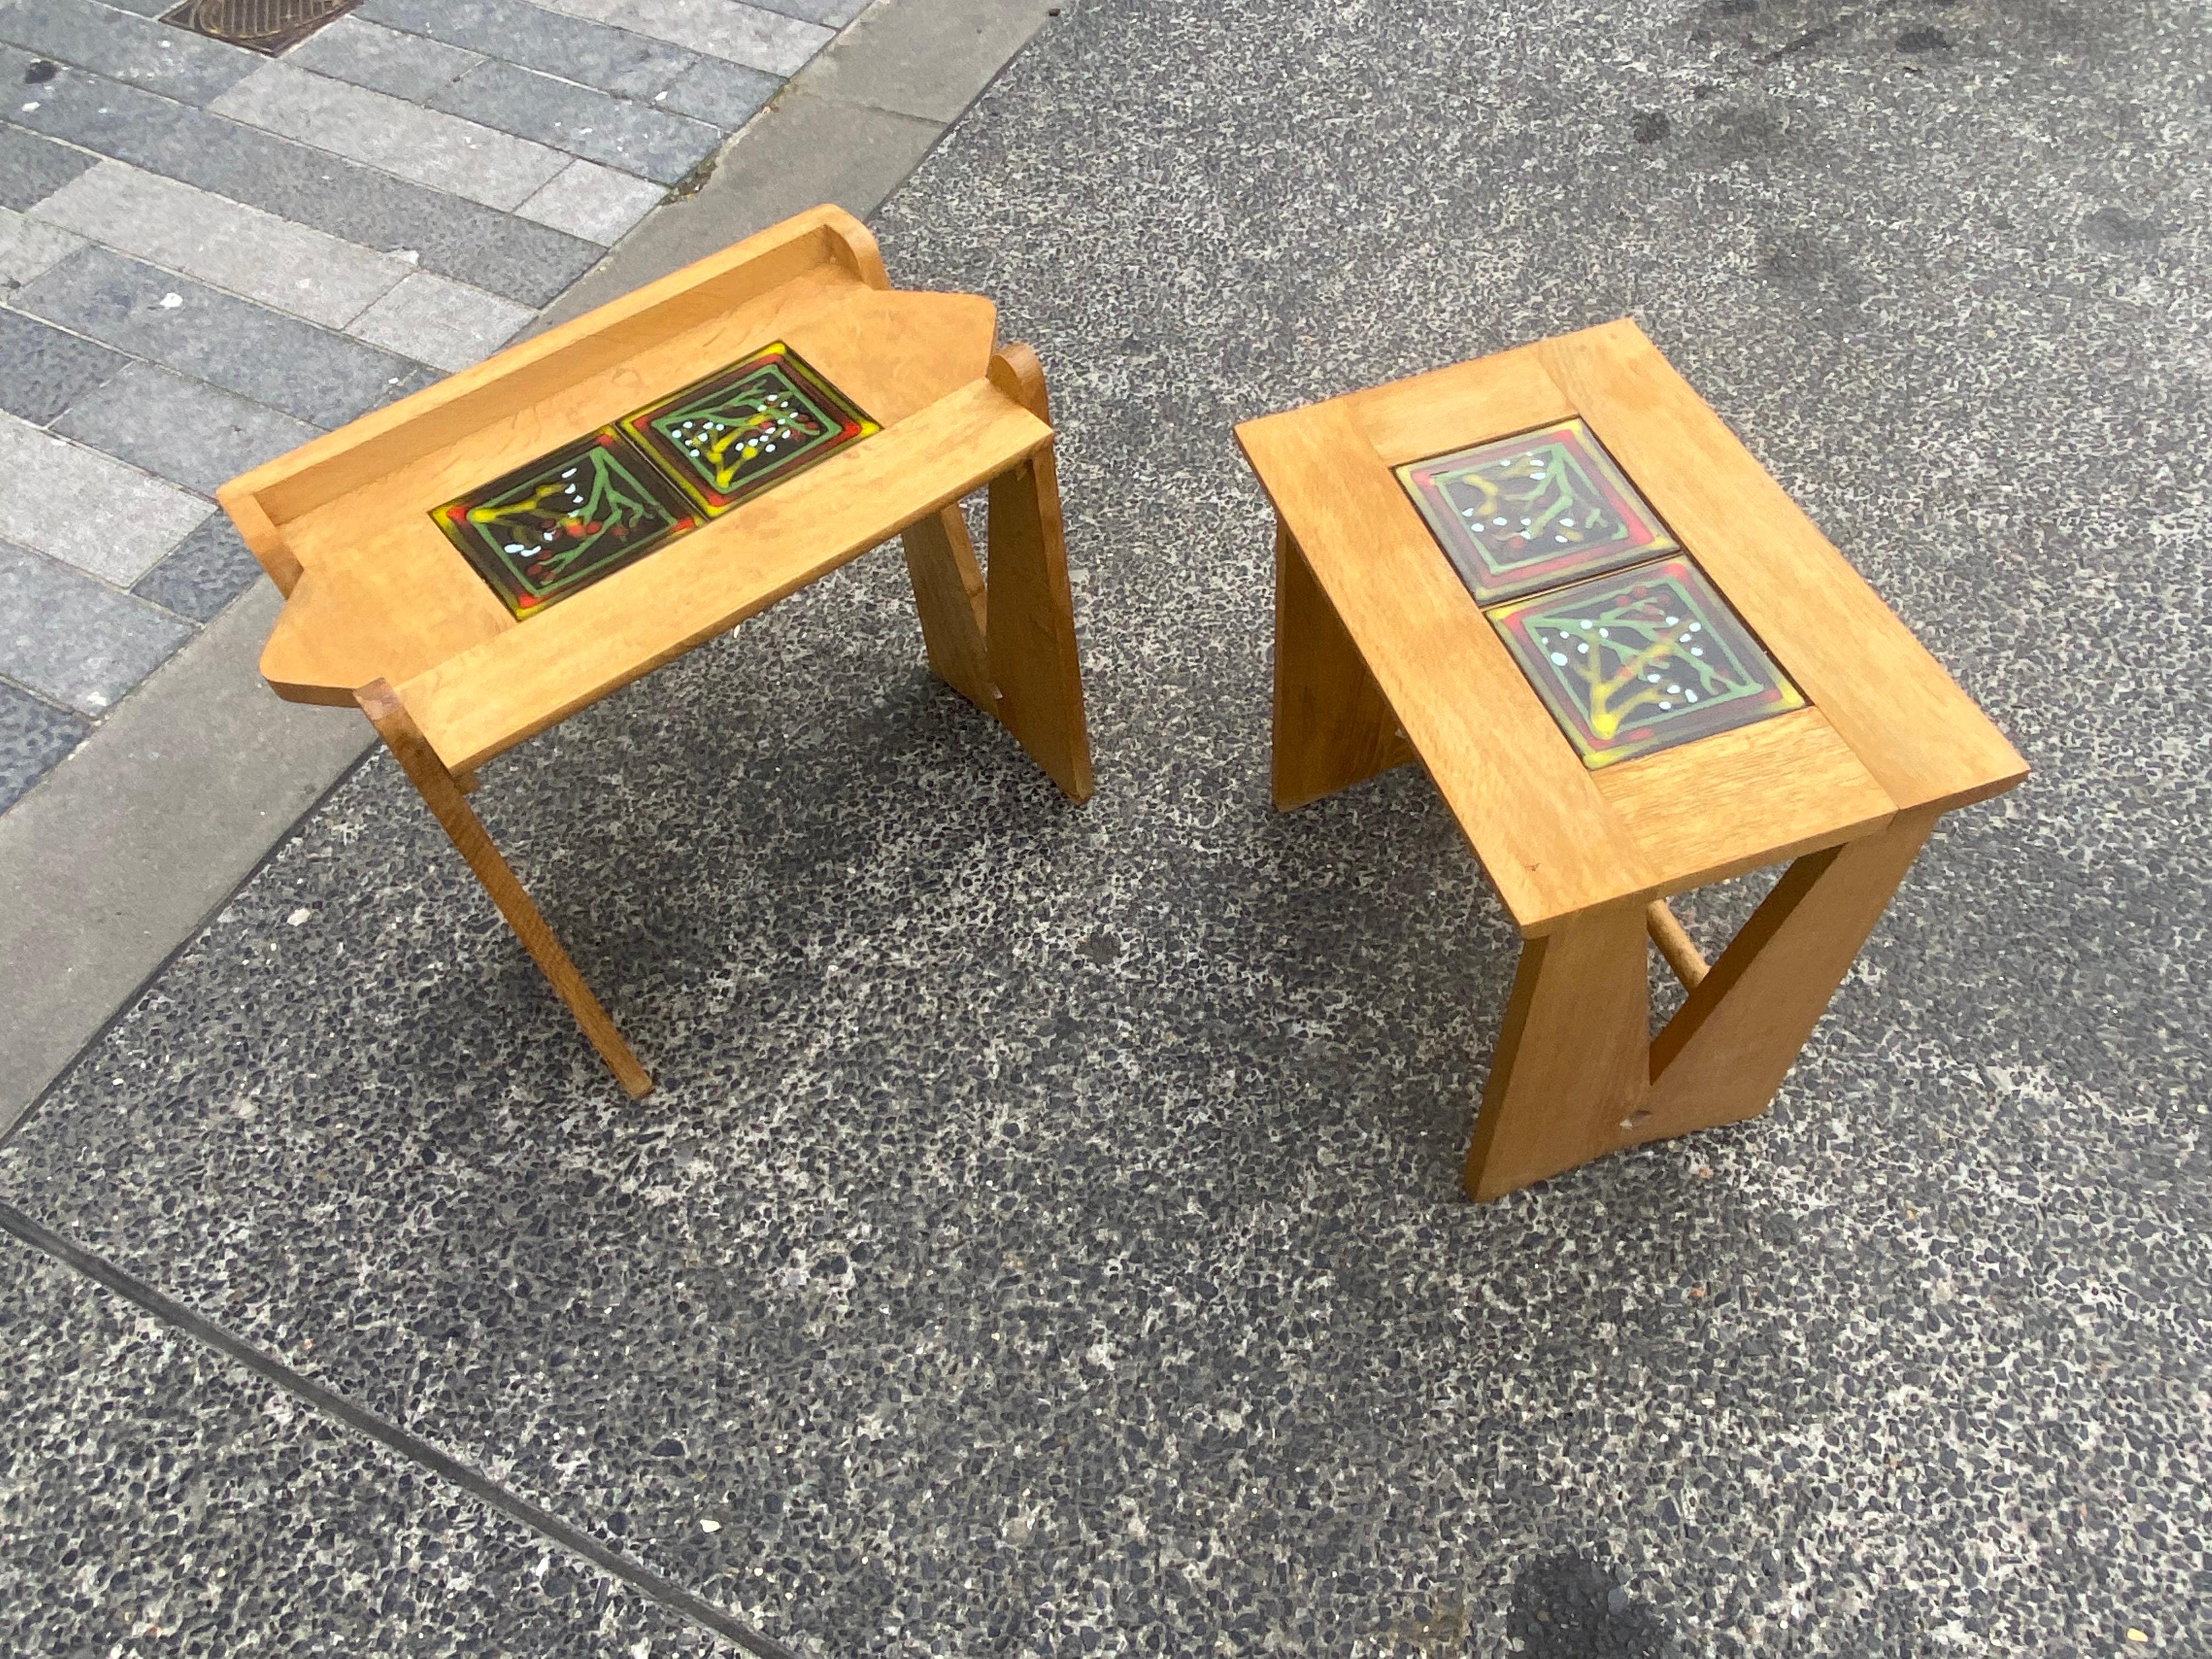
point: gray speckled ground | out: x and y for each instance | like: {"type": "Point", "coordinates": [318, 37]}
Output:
{"type": "Point", "coordinates": [1045, 1239]}
{"type": "Point", "coordinates": [158, 1498]}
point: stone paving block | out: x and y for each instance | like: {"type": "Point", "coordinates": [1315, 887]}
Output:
{"type": "Point", "coordinates": [835, 13]}
{"type": "Point", "coordinates": [238, 248]}
{"type": "Point", "coordinates": [75, 641]}
{"type": "Point", "coordinates": [44, 369]}
{"type": "Point", "coordinates": [593, 202]}
{"type": "Point", "coordinates": [87, 109]}
{"type": "Point", "coordinates": [279, 361]}
{"type": "Point", "coordinates": [33, 168]}
{"type": "Point", "coordinates": [583, 122]}
{"type": "Point", "coordinates": [435, 321]}
{"type": "Point", "coordinates": [181, 428]}
{"type": "Point", "coordinates": [143, 8]}
{"type": "Point", "coordinates": [407, 66]}
{"type": "Point", "coordinates": [612, 59]}
{"type": "Point", "coordinates": [162, 1498]}
{"type": "Point", "coordinates": [34, 737]}
{"type": "Point", "coordinates": [720, 28]}
{"type": "Point", "coordinates": [432, 149]}
{"type": "Point", "coordinates": [29, 249]}
{"type": "Point", "coordinates": [210, 567]}
{"type": "Point", "coordinates": [809, 150]}
{"type": "Point", "coordinates": [309, 185]}
{"type": "Point", "coordinates": [524, 261]}
{"type": "Point", "coordinates": [86, 508]}
{"type": "Point", "coordinates": [715, 89]}
{"type": "Point", "coordinates": [136, 51]}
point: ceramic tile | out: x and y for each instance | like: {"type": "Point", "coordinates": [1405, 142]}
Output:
{"type": "Point", "coordinates": [1642, 659]}
{"type": "Point", "coordinates": [560, 524]}
{"type": "Point", "coordinates": [1533, 511]}
{"type": "Point", "coordinates": [747, 427]}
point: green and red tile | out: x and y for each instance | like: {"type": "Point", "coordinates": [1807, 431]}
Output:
{"type": "Point", "coordinates": [565, 520]}
{"type": "Point", "coordinates": [1639, 660]}
{"type": "Point", "coordinates": [1528, 512]}
{"type": "Point", "coordinates": [546, 530]}
{"type": "Point", "coordinates": [747, 428]}
{"type": "Point", "coordinates": [1631, 650]}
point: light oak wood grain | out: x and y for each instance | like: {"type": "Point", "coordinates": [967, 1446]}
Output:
{"type": "Point", "coordinates": [490, 696]}
{"type": "Point", "coordinates": [1031, 605]}
{"type": "Point", "coordinates": [378, 598]}
{"type": "Point", "coordinates": [1547, 839]}
{"type": "Point", "coordinates": [1333, 725]}
{"type": "Point", "coordinates": [1373, 626]}
{"type": "Point", "coordinates": [1738, 801]}
{"type": "Point", "coordinates": [1923, 738]}
{"type": "Point", "coordinates": [949, 597]}
{"type": "Point", "coordinates": [1458, 407]}
{"type": "Point", "coordinates": [821, 242]}
{"type": "Point", "coordinates": [1570, 1069]}
{"type": "Point", "coordinates": [1676, 946]}
{"type": "Point", "coordinates": [1727, 1049]}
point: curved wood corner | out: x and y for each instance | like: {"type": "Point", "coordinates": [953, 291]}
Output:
{"type": "Point", "coordinates": [261, 537]}
{"type": "Point", "coordinates": [1016, 371]}
{"type": "Point", "coordinates": [855, 246]}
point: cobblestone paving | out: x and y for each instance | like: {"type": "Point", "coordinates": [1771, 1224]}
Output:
{"type": "Point", "coordinates": [207, 256]}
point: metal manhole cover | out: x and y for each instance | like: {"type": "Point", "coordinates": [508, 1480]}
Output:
{"type": "Point", "coordinates": [267, 26]}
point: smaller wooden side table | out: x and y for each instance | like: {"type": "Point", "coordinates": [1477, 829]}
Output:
{"type": "Point", "coordinates": [383, 611]}
{"type": "Point", "coordinates": [1836, 747]}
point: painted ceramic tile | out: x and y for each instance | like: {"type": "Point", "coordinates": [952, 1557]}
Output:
{"type": "Point", "coordinates": [730, 436]}
{"type": "Point", "coordinates": [1534, 511]}
{"type": "Point", "coordinates": [1640, 660]}
{"type": "Point", "coordinates": [559, 524]}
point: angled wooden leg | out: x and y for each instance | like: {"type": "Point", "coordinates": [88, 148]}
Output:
{"type": "Point", "coordinates": [1334, 726]}
{"type": "Point", "coordinates": [1724, 1054]}
{"type": "Point", "coordinates": [1030, 610]}
{"type": "Point", "coordinates": [948, 594]}
{"type": "Point", "coordinates": [1577, 1075]}
{"type": "Point", "coordinates": [1569, 1070]}
{"type": "Point", "coordinates": [441, 793]}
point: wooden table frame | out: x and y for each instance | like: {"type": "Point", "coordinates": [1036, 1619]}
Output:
{"type": "Point", "coordinates": [1382, 657]}
{"type": "Point", "coordinates": [381, 612]}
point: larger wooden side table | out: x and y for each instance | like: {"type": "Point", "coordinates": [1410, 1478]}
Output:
{"type": "Point", "coordinates": [1648, 672]}
{"type": "Point", "coordinates": [383, 610]}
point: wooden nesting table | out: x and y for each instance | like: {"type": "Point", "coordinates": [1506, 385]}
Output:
{"type": "Point", "coordinates": [1383, 656]}
{"type": "Point", "coordinates": [381, 610]}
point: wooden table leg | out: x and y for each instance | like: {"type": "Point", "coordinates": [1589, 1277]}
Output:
{"type": "Point", "coordinates": [1333, 725]}
{"type": "Point", "coordinates": [441, 793]}
{"type": "Point", "coordinates": [1576, 1073]}
{"type": "Point", "coordinates": [1723, 1056]}
{"type": "Point", "coordinates": [949, 596]}
{"type": "Point", "coordinates": [1029, 608]}
{"type": "Point", "coordinates": [1570, 1070]}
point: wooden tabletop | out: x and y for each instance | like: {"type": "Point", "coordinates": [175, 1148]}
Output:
{"type": "Point", "coordinates": [374, 591]}
{"type": "Point", "coordinates": [1886, 731]}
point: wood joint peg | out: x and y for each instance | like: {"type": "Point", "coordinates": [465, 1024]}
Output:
{"type": "Point", "coordinates": [1674, 943]}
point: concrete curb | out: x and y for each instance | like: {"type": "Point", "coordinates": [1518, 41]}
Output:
{"type": "Point", "coordinates": [120, 855]}
{"type": "Point", "coordinates": [126, 848]}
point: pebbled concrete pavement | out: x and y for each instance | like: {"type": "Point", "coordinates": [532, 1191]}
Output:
{"type": "Point", "coordinates": [1045, 1238]}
